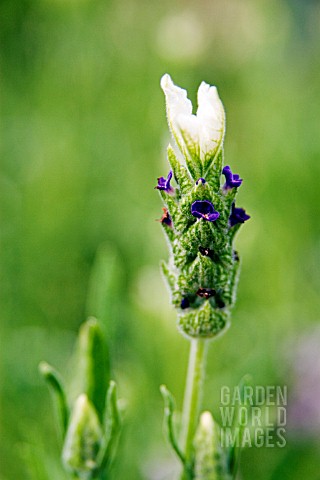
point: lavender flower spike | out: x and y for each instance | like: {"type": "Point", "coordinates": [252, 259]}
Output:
{"type": "Point", "coordinates": [164, 184]}
{"type": "Point", "coordinates": [199, 218]}
{"type": "Point", "coordinates": [204, 209]}
{"type": "Point", "coordinates": [232, 179]}
{"type": "Point", "coordinates": [238, 215]}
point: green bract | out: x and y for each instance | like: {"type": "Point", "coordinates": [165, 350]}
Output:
{"type": "Point", "coordinates": [203, 267]}
{"type": "Point", "coordinates": [90, 427]}
{"type": "Point", "coordinates": [210, 460]}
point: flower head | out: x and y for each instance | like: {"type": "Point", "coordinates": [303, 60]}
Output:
{"type": "Point", "coordinates": [204, 209]}
{"type": "Point", "coordinates": [238, 215]}
{"type": "Point", "coordinates": [202, 263]}
{"type": "Point", "coordinates": [232, 179]}
{"type": "Point", "coordinates": [164, 183]}
{"type": "Point", "coordinates": [197, 135]}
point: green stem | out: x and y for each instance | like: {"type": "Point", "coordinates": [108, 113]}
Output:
{"type": "Point", "coordinates": [192, 400]}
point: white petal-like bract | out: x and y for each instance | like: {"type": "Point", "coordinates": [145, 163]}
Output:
{"type": "Point", "coordinates": [199, 135]}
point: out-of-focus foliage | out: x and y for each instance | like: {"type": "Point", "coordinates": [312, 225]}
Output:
{"type": "Point", "coordinates": [83, 137]}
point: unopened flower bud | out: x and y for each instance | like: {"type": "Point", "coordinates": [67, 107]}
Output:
{"type": "Point", "coordinates": [210, 461]}
{"type": "Point", "coordinates": [83, 438]}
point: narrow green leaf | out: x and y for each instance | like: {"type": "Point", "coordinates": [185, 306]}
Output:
{"type": "Point", "coordinates": [94, 368]}
{"type": "Point", "coordinates": [112, 427]}
{"type": "Point", "coordinates": [105, 284]}
{"type": "Point", "coordinates": [169, 407]}
{"type": "Point", "coordinates": [54, 382]}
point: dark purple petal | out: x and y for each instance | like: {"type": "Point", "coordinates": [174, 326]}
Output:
{"type": "Point", "coordinates": [184, 303]}
{"type": "Point", "coordinates": [164, 183]}
{"type": "Point", "coordinates": [238, 215]}
{"type": "Point", "coordinates": [235, 256]}
{"type": "Point", "coordinates": [166, 219]}
{"type": "Point", "coordinates": [204, 209]}
{"type": "Point", "coordinates": [232, 179]}
{"type": "Point", "coordinates": [202, 180]}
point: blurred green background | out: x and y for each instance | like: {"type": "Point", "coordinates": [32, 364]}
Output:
{"type": "Point", "coordinates": [83, 138]}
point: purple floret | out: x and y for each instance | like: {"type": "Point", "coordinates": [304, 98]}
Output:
{"type": "Point", "coordinates": [164, 183]}
{"type": "Point", "coordinates": [166, 219]}
{"type": "Point", "coordinates": [232, 179]}
{"type": "Point", "coordinates": [204, 209]}
{"type": "Point", "coordinates": [238, 215]}
{"type": "Point", "coordinates": [202, 180]}
{"type": "Point", "coordinates": [184, 304]}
